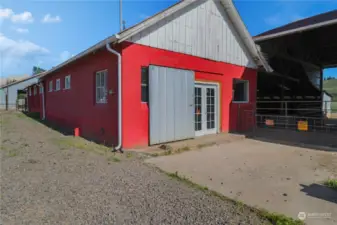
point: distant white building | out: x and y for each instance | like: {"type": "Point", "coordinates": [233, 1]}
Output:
{"type": "Point", "coordinates": [11, 90]}
{"type": "Point", "coordinates": [327, 98]}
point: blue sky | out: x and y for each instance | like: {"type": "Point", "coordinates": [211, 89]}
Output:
{"type": "Point", "coordinates": [47, 32]}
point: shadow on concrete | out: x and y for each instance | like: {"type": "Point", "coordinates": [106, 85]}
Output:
{"type": "Point", "coordinates": [324, 141]}
{"type": "Point", "coordinates": [320, 191]}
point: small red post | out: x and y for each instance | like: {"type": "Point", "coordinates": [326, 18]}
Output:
{"type": "Point", "coordinates": [77, 132]}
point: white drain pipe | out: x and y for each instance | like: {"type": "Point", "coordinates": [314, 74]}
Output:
{"type": "Point", "coordinates": [43, 106]}
{"type": "Point", "coordinates": [119, 145]}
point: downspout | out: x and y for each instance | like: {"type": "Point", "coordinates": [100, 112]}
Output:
{"type": "Point", "coordinates": [244, 34]}
{"type": "Point", "coordinates": [119, 145]}
{"type": "Point", "coordinates": [43, 106]}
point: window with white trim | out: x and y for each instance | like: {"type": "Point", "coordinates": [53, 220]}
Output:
{"type": "Point", "coordinates": [41, 89]}
{"type": "Point", "coordinates": [50, 89]}
{"type": "Point", "coordinates": [101, 86]}
{"type": "Point", "coordinates": [240, 91]}
{"type": "Point", "coordinates": [57, 85]}
{"type": "Point", "coordinates": [35, 90]}
{"type": "Point", "coordinates": [67, 80]}
{"type": "Point", "coordinates": [30, 91]}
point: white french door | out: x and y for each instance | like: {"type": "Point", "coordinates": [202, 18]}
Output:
{"type": "Point", "coordinates": [206, 109]}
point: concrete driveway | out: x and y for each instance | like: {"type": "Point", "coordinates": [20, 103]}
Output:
{"type": "Point", "coordinates": [275, 177]}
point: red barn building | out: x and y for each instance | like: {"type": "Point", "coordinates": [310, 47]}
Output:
{"type": "Point", "coordinates": [179, 74]}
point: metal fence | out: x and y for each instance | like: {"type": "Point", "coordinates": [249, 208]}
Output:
{"type": "Point", "coordinates": [306, 116]}
{"type": "Point", "coordinates": [20, 105]}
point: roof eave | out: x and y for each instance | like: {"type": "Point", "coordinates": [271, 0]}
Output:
{"type": "Point", "coordinates": [292, 31]}
{"type": "Point", "coordinates": [95, 47]}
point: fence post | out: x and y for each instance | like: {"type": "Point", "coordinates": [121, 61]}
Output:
{"type": "Point", "coordinates": [286, 113]}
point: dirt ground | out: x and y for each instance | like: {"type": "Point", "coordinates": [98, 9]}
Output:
{"type": "Point", "coordinates": [49, 178]}
{"type": "Point", "coordinates": [276, 177]}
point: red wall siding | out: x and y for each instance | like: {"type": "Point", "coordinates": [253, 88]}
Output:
{"type": "Point", "coordinates": [77, 107]}
{"type": "Point", "coordinates": [33, 100]}
{"type": "Point", "coordinates": [135, 113]}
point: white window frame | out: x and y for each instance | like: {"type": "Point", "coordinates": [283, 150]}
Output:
{"type": "Point", "coordinates": [101, 88]}
{"type": "Point", "coordinates": [58, 85]}
{"type": "Point", "coordinates": [41, 90]}
{"type": "Point", "coordinates": [30, 91]}
{"type": "Point", "coordinates": [50, 89]}
{"type": "Point", "coordinates": [246, 82]}
{"type": "Point", "coordinates": [35, 91]}
{"type": "Point", "coordinates": [67, 82]}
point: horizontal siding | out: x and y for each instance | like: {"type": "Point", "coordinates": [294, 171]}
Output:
{"type": "Point", "coordinates": [201, 29]}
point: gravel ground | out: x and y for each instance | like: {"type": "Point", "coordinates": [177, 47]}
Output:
{"type": "Point", "coordinates": [44, 182]}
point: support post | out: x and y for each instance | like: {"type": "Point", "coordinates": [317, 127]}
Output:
{"type": "Point", "coordinates": [6, 99]}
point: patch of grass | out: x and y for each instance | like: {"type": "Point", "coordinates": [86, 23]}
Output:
{"type": "Point", "coordinates": [21, 115]}
{"type": "Point", "coordinates": [183, 149]}
{"type": "Point", "coordinates": [279, 219]}
{"type": "Point", "coordinates": [114, 159]}
{"type": "Point", "coordinates": [273, 218]}
{"type": "Point", "coordinates": [332, 183]}
{"type": "Point", "coordinates": [12, 153]}
{"type": "Point", "coordinates": [129, 155]}
{"type": "Point", "coordinates": [207, 144]}
{"type": "Point", "coordinates": [80, 143]}
{"type": "Point", "coordinates": [171, 151]}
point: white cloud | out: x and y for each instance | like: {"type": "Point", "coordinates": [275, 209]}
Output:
{"type": "Point", "coordinates": [21, 30]}
{"type": "Point", "coordinates": [65, 55]}
{"type": "Point", "coordinates": [25, 17]}
{"type": "Point", "coordinates": [19, 54]}
{"type": "Point", "coordinates": [6, 13]}
{"type": "Point", "coordinates": [50, 19]}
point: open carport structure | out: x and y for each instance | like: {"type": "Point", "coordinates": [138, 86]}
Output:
{"type": "Point", "coordinates": [298, 52]}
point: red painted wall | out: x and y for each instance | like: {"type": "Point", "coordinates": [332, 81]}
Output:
{"type": "Point", "coordinates": [77, 106]}
{"type": "Point", "coordinates": [33, 100]}
{"type": "Point", "coordinates": [135, 114]}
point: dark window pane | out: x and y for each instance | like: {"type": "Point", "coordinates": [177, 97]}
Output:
{"type": "Point", "coordinates": [195, 126]}
{"type": "Point", "coordinates": [145, 76]}
{"type": "Point", "coordinates": [212, 100]}
{"type": "Point", "coordinates": [144, 84]}
{"type": "Point", "coordinates": [199, 126]}
{"type": "Point", "coordinates": [240, 92]}
{"type": "Point", "coordinates": [145, 94]}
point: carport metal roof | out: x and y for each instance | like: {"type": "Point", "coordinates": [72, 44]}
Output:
{"type": "Point", "coordinates": [311, 41]}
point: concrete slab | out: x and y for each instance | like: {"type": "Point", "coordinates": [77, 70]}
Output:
{"type": "Point", "coordinates": [275, 177]}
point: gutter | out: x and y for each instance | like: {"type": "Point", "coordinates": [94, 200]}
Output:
{"type": "Point", "coordinates": [43, 106]}
{"type": "Point", "coordinates": [108, 47]}
{"type": "Point", "coordinates": [244, 34]}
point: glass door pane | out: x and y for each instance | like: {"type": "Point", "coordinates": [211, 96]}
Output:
{"type": "Point", "coordinates": [198, 108]}
{"type": "Point", "coordinates": [210, 107]}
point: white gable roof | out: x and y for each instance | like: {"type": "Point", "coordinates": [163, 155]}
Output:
{"type": "Point", "coordinates": [201, 29]}
{"type": "Point", "coordinates": [239, 30]}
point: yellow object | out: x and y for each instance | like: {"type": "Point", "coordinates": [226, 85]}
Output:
{"type": "Point", "coordinates": [302, 125]}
